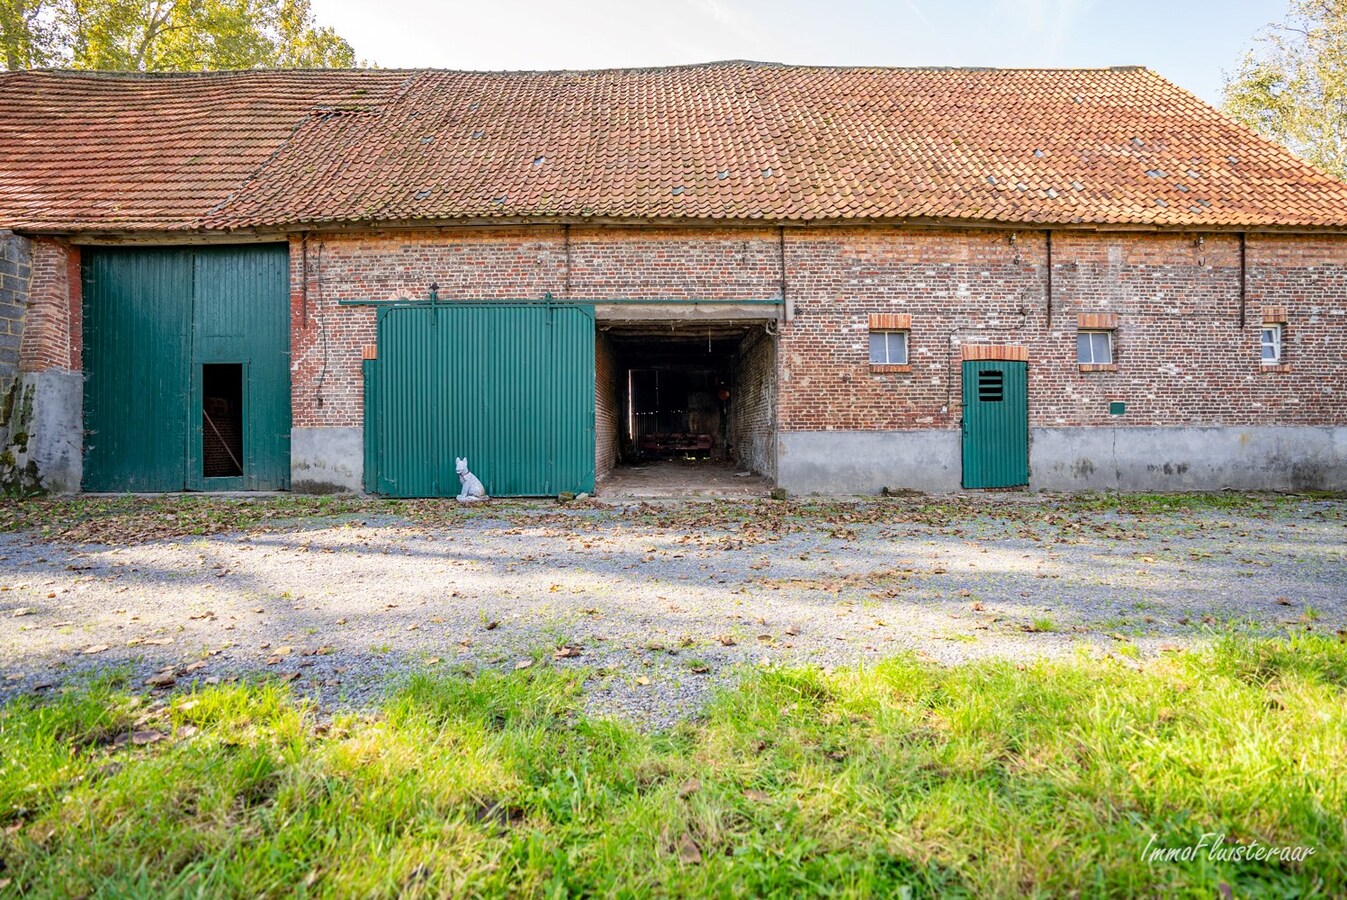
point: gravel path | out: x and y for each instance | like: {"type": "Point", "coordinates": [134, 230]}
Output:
{"type": "Point", "coordinates": [660, 614]}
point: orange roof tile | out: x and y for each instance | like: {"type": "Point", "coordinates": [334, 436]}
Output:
{"type": "Point", "coordinates": [725, 141]}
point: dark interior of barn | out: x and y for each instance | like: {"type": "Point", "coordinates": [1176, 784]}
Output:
{"type": "Point", "coordinates": [222, 421]}
{"type": "Point", "coordinates": [685, 405]}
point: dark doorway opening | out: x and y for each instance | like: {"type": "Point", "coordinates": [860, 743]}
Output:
{"type": "Point", "coordinates": [685, 408]}
{"type": "Point", "coordinates": [222, 420]}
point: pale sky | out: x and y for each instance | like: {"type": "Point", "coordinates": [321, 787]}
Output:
{"type": "Point", "coordinates": [1191, 42]}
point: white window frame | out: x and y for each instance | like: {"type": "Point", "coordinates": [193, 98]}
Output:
{"type": "Point", "coordinates": [1108, 333]}
{"type": "Point", "coordinates": [888, 349]}
{"type": "Point", "coordinates": [1278, 332]}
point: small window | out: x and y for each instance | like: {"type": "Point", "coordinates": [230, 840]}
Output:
{"type": "Point", "coordinates": [1272, 345]}
{"type": "Point", "coordinates": [1094, 348]}
{"type": "Point", "coordinates": [888, 348]}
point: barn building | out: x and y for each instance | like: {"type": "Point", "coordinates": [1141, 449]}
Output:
{"type": "Point", "coordinates": [843, 279]}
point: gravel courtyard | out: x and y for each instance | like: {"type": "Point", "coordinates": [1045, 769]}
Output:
{"type": "Point", "coordinates": [661, 603]}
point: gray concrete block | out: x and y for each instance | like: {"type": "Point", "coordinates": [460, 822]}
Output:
{"type": "Point", "coordinates": [865, 462]}
{"type": "Point", "coordinates": [327, 460]}
{"type": "Point", "coordinates": [56, 432]}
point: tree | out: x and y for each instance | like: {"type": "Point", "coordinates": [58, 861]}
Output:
{"type": "Point", "coordinates": [168, 35]}
{"type": "Point", "coordinates": [1292, 87]}
{"type": "Point", "coordinates": [28, 33]}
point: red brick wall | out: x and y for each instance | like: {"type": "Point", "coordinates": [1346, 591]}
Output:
{"type": "Point", "coordinates": [606, 406]}
{"type": "Point", "coordinates": [494, 264]}
{"type": "Point", "coordinates": [1182, 358]}
{"type": "Point", "coordinates": [52, 331]}
{"type": "Point", "coordinates": [752, 408]}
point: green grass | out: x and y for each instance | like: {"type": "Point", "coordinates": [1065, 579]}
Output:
{"type": "Point", "coordinates": [903, 779]}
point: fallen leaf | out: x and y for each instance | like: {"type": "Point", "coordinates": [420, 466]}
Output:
{"type": "Point", "coordinates": [756, 796]}
{"type": "Point", "coordinates": [688, 851]}
{"type": "Point", "coordinates": [641, 679]}
{"type": "Point", "coordinates": [290, 676]}
{"type": "Point", "coordinates": [726, 640]}
{"type": "Point", "coordinates": [434, 660]}
{"type": "Point", "coordinates": [566, 652]}
{"type": "Point", "coordinates": [523, 664]}
{"type": "Point", "coordinates": [157, 642]}
{"type": "Point", "coordinates": [140, 738]}
{"type": "Point", "coordinates": [163, 680]}
{"type": "Point", "coordinates": [492, 625]}
{"type": "Point", "coordinates": [690, 787]}
{"type": "Point", "coordinates": [96, 648]}
{"type": "Point", "coordinates": [283, 651]}
{"type": "Point", "coordinates": [22, 611]}
{"type": "Point", "coordinates": [700, 669]}
{"type": "Point", "coordinates": [194, 666]}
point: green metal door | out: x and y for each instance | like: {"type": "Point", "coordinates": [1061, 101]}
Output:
{"type": "Point", "coordinates": [137, 317]}
{"type": "Point", "coordinates": [995, 424]}
{"type": "Point", "coordinates": [509, 386]}
{"type": "Point", "coordinates": [154, 319]}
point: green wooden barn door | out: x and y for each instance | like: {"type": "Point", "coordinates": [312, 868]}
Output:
{"type": "Point", "coordinates": [137, 319]}
{"type": "Point", "coordinates": [509, 386]}
{"type": "Point", "coordinates": [186, 363]}
{"type": "Point", "coordinates": [995, 424]}
{"type": "Point", "coordinates": [241, 352]}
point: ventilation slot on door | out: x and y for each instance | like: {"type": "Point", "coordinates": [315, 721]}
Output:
{"type": "Point", "coordinates": [221, 421]}
{"type": "Point", "coordinates": [990, 387]}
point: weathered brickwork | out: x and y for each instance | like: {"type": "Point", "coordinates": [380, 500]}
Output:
{"type": "Point", "coordinates": [606, 404]}
{"type": "Point", "coordinates": [1180, 354]}
{"type": "Point", "coordinates": [752, 425]}
{"type": "Point", "coordinates": [52, 332]}
{"type": "Point", "coordinates": [494, 264]}
{"type": "Point", "coordinates": [1182, 357]}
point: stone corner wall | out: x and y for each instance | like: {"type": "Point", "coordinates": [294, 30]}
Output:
{"type": "Point", "coordinates": [41, 386]}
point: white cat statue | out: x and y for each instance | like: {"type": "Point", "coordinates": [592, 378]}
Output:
{"type": "Point", "coordinates": [472, 485]}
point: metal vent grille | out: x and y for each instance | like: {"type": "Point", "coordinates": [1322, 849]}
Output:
{"type": "Point", "coordinates": [991, 387]}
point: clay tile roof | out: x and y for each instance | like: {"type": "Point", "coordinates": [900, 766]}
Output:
{"type": "Point", "coordinates": [731, 141]}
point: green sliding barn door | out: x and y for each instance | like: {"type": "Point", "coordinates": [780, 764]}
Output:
{"type": "Point", "coordinates": [186, 363]}
{"type": "Point", "coordinates": [509, 386]}
{"type": "Point", "coordinates": [995, 424]}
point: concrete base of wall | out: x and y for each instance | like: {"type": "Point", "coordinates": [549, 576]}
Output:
{"type": "Point", "coordinates": [1268, 458]}
{"type": "Point", "coordinates": [866, 462]}
{"type": "Point", "coordinates": [42, 433]}
{"type": "Point", "coordinates": [327, 460]}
